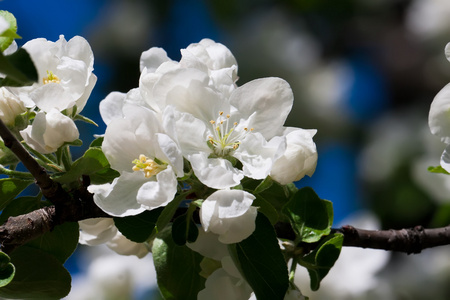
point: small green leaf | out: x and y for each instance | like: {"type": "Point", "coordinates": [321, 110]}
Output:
{"type": "Point", "coordinates": [18, 68]}
{"type": "Point", "coordinates": [85, 119]}
{"type": "Point", "coordinates": [438, 169]}
{"type": "Point", "coordinates": [184, 230]}
{"type": "Point", "coordinates": [310, 217]}
{"type": "Point", "coordinates": [97, 143]}
{"type": "Point", "coordinates": [10, 188]}
{"type": "Point", "coordinates": [138, 228]}
{"type": "Point", "coordinates": [93, 164]}
{"type": "Point", "coordinates": [261, 262]}
{"type": "Point", "coordinates": [8, 36]}
{"type": "Point", "coordinates": [39, 275]}
{"type": "Point", "coordinates": [177, 268]}
{"type": "Point", "coordinates": [322, 259]}
{"type": "Point", "coordinates": [7, 269]}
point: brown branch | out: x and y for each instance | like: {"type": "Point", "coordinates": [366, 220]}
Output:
{"type": "Point", "coordinates": [410, 240]}
{"type": "Point", "coordinates": [67, 207]}
{"type": "Point", "coordinates": [50, 189]}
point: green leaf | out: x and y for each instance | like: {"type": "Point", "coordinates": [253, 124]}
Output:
{"type": "Point", "coordinates": [8, 36]}
{"type": "Point", "coordinates": [18, 68]}
{"type": "Point", "coordinates": [266, 208]}
{"type": "Point", "coordinates": [61, 242]}
{"type": "Point", "coordinates": [177, 268]}
{"type": "Point", "coordinates": [7, 269]}
{"type": "Point", "coordinates": [438, 170]}
{"type": "Point", "coordinates": [310, 217]}
{"type": "Point", "coordinates": [264, 185]}
{"type": "Point", "coordinates": [97, 143]}
{"type": "Point", "coordinates": [168, 212]}
{"type": "Point", "coordinates": [138, 228]}
{"type": "Point", "coordinates": [93, 164]}
{"type": "Point", "coordinates": [321, 260]}
{"type": "Point", "coordinates": [184, 230]}
{"type": "Point", "coordinates": [39, 275]}
{"type": "Point", "coordinates": [261, 262]}
{"type": "Point", "coordinates": [10, 188]}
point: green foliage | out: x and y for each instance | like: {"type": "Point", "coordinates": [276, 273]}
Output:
{"type": "Point", "coordinates": [39, 275]}
{"type": "Point", "coordinates": [93, 164]}
{"type": "Point", "coordinates": [18, 68]}
{"type": "Point", "coordinates": [184, 230]}
{"type": "Point", "coordinates": [61, 242]}
{"type": "Point", "coordinates": [168, 212]}
{"type": "Point", "coordinates": [177, 268]}
{"type": "Point", "coordinates": [10, 188]}
{"type": "Point", "coordinates": [310, 217]}
{"type": "Point", "coordinates": [7, 270]}
{"type": "Point", "coordinates": [320, 261]}
{"type": "Point", "coordinates": [261, 262]}
{"type": "Point", "coordinates": [8, 36]}
{"type": "Point", "coordinates": [140, 227]}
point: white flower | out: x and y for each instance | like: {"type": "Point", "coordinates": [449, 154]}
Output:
{"type": "Point", "coordinates": [94, 232]}
{"type": "Point", "coordinates": [148, 160]}
{"type": "Point", "coordinates": [299, 159]}
{"type": "Point", "coordinates": [10, 106]}
{"type": "Point", "coordinates": [64, 71]}
{"type": "Point", "coordinates": [50, 131]}
{"type": "Point", "coordinates": [438, 118]}
{"type": "Point", "coordinates": [229, 214]}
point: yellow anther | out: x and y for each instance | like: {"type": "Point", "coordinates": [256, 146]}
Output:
{"type": "Point", "coordinates": [51, 78]}
{"type": "Point", "coordinates": [212, 122]}
{"type": "Point", "coordinates": [221, 113]}
{"type": "Point", "coordinates": [148, 166]}
{"type": "Point", "coordinates": [235, 123]}
{"type": "Point", "coordinates": [228, 116]}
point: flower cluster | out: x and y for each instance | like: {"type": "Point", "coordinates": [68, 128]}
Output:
{"type": "Point", "coordinates": [188, 122]}
{"type": "Point", "coordinates": [65, 83]}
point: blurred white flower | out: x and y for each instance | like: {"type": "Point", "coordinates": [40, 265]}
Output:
{"type": "Point", "coordinates": [50, 131]}
{"type": "Point", "coordinates": [94, 232]}
{"type": "Point", "coordinates": [4, 25]}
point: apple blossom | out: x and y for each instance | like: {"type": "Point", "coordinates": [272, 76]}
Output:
{"type": "Point", "coordinates": [229, 214]}
{"type": "Point", "coordinates": [10, 106]}
{"type": "Point", "coordinates": [64, 71]}
{"type": "Point", "coordinates": [148, 161]}
{"type": "Point", "coordinates": [50, 131]}
{"type": "Point", "coordinates": [299, 159]}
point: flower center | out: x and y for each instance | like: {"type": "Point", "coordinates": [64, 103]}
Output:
{"type": "Point", "coordinates": [149, 166]}
{"type": "Point", "coordinates": [225, 139]}
{"type": "Point", "coordinates": [51, 78]}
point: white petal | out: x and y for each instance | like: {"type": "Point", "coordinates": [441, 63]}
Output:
{"type": "Point", "coordinates": [207, 244]}
{"type": "Point", "coordinates": [152, 59]}
{"type": "Point", "coordinates": [299, 159]}
{"type": "Point", "coordinates": [257, 155]}
{"type": "Point", "coordinates": [111, 106]}
{"type": "Point", "coordinates": [269, 100]}
{"type": "Point", "coordinates": [170, 152]}
{"type": "Point", "coordinates": [445, 159]}
{"type": "Point", "coordinates": [119, 199]}
{"type": "Point", "coordinates": [239, 228]}
{"type": "Point", "coordinates": [96, 231]}
{"type": "Point", "coordinates": [217, 173]}
{"type": "Point", "coordinates": [159, 192]}
{"type": "Point", "coordinates": [123, 246]}
{"type": "Point", "coordinates": [438, 118]}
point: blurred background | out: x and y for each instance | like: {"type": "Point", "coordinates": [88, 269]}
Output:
{"type": "Point", "coordinates": [364, 73]}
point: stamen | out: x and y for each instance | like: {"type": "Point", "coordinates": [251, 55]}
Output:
{"type": "Point", "coordinates": [148, 166]}
{"type": "Point", "coordinates": [51, 78]}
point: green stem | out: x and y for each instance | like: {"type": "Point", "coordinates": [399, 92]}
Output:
{"type": "Point", "coordinates": [17, 174]}
{"type": "Point", "coordinates": [43, 160]}
{"type": "Point", "coordinates": [292, 269]}
{"type": "Point", "coordinates": [66, 158]}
